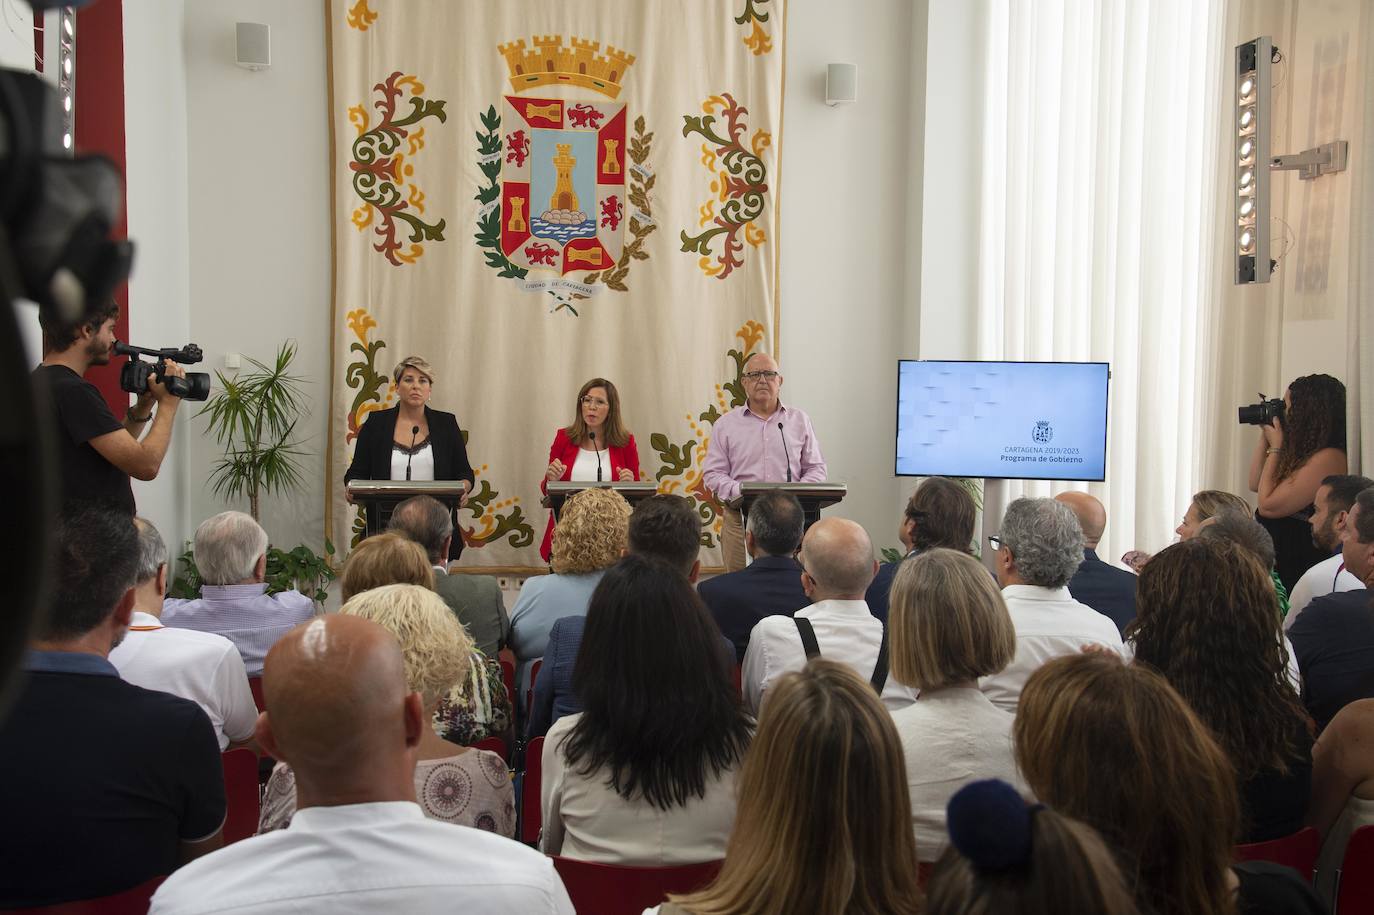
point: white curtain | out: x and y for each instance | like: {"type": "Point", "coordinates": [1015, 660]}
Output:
{"type": "Point", "coordinates": [1098, 218]}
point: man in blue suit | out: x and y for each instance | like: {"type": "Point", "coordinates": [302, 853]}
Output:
{"type": "Point", "coordinates": [1107, 589]}
{"type": "Point", "coordinates": [771, 584]}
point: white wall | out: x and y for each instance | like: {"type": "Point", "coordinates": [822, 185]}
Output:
{"type": "Point", "coordinates": [156, 185]}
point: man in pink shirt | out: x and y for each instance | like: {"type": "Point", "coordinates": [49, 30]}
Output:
{"type": "Point", "coordinates": [760, 442]}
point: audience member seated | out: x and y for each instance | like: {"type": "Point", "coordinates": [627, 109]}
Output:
{"type": "Point", "coordinates": [824, 824]}
{"type": "Point", "coordinates": [588, 539]}
{"type": "Point", "coordinates": [200, 666]}
{"type": "Point", "coordinates": [837, 567]}
{"type": "Point", "coordinates": [1342, 788]}
{"type": "Point", "coordinates": [104, 785]}
{"type": "Point", "coordinates": [469, 787]}
{"type": "Point", "coordinates": [940, 513]}
{"type": "Point", "coordinates": [231, 557]}
{"type": "Point", "coordinates": [475, 707]}
{"type": "Point", "coordinates": [1107, 589]}
{"type": "Point", "coordinates": [1334, 498]}
{"type": "Point", "coordinates": [1038, 550]}
{"type": "Point", "coordinates": [1208, 624]}
{"type": "Point", "coordinates": [771, 584]}
{"type": "Point", "coordinates": [664, 527]}
{"type": "Point", "coordinates": [949, 626]}
{"type": "Point", "coordinates": [1334, 637]}
{"type": "Point", "coordinates": [1205, 505]}
{"type": "Point", "coordinates": [1292, 455]}
{"type": "Point", "coordinates": [339, 713]}
{"type": "Point", "coordinates": [475, 599]}
{"type": "Point", "coordinates": [645, 774]}
{"type": "Point", "coordinates": [1113, 746]}
{"type": "Point", "coordinates": [1010, 859]}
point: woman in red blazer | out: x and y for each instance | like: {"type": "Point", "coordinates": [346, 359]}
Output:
{"type": "Point", "coordinates": [595, 447]}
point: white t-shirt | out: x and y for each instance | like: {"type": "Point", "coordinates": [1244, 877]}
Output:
{"type": "Point", "coordinates": [360, 859]}
{"type": "Point", "coordinates": [200, 666]}
{"type": "Point", "coordinates": [1326, 577]}
{"type": "Point", "coordinates": [1049, 624]}
{"type": "Point", "coordinates": [584, 468]}
{"type": "Point", "coordinates": [421, 463]}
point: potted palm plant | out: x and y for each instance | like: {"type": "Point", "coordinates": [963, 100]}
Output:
{"type": "Point", "coordinates": [253, 417]}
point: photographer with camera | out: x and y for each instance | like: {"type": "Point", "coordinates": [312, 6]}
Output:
{"type": "Point", "coordinates": [97, 454]}
{"type": "Point", "coordinates": [1301, 442]}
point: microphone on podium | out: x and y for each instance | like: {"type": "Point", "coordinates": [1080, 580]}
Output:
{"type": "Point", "coordinates": [785, 454]}
{"type": "Point", "coordinates": [414, 431]}
{"type": "Point", "coordinates": [597, 449]}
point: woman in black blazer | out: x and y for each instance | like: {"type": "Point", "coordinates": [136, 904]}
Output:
{"type": "Point", "coordinates": [412, 442]}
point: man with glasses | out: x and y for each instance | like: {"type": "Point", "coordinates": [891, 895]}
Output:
{"type": "Point", "coordinates": [1038, 551]}
{"type": "Point", "coordinates": [762, 441]}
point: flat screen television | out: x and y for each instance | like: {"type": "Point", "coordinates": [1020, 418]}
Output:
{"type": "Point", "coordinates": [1002, 420]}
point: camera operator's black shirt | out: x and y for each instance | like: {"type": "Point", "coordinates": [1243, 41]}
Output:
{"type": "Point", "coordinates": [81, 414]}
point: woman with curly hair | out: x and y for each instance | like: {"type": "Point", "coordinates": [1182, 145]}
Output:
{"type": "Point", "coordinates": [1113, 746]}
{"type": "Point", "coordinates": [1208, 621]}
{"type": "Point", "coordinates": [1294, 453]}
{"type": "Point", "coordinates": [589, 538]}
{"type": "Point", "coordinates": [469, 787]}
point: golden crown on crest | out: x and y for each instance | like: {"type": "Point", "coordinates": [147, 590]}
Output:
{"type": "Point", "coordinates": [551, 63]}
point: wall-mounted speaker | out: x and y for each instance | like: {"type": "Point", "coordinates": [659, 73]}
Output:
{"type": "Point", "coordinates": [841, 83]}
{"type": "Point", "coordinates": [254, 45]}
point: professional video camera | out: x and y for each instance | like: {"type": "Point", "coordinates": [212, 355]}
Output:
{"type": "Point", "coordinates": [135, 374]}
{"type": "Point", "coordinates": [1262, 413]}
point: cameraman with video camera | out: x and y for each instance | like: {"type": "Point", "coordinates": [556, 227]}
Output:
{"type": "Point", "coordinates": [1301, 442]}
{"type": "Point", "coordinates": [97, 453]}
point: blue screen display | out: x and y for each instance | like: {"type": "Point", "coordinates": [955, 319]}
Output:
{"type": "Point", "coordinates": [1016, 420]}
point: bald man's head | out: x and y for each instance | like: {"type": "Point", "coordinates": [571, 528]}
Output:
{"type": "Point", "coordinates": [1092, 517]}
{"type": "Point", "coordinates": [336, 703]}
{"type": "Point", "coordinates": [838, 555]}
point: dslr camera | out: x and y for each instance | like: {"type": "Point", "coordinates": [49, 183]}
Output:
{"type": "Point", "coordinates": [135, 374]}
{"type": "Point", "coordinates": [1262, 413]}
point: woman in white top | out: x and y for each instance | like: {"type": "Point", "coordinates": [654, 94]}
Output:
{"type": "Point", "coordinates": [948, 627]}
{"type": "Point", "coordinates": [460, 785]}
{"type": "Point", "coordinates": [645, 774]}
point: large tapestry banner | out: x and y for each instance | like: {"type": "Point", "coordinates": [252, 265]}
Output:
{"type": "Point", "coordinates": [530, 195]}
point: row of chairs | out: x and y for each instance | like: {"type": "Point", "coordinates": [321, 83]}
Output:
{"type": "Point", "coordinates": [1354, 882]}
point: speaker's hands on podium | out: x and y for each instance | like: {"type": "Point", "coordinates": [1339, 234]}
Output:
{"type": "Point", "coordinates": [626, 476]}
{"type": "Point", "coordinates": [555, 471]}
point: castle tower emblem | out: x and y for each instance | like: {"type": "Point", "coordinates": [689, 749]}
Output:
{"type": "Point", "coordinates": [564, 197]}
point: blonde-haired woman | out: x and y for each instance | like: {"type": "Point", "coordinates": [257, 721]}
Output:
{"type": "Point", "coordinates": [949, 626]}
{"type": "Point", "coordinates": [1202, 508]}
{"type": "Point", "coordinates": [410, 441]}
{"type": "Point", "coordinates": [589, 538]}
{"type": "Point", "coordinates": [823, 823]}
{"type": "Point", "coordinates": [467, 787]}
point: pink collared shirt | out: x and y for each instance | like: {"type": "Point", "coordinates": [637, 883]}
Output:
{"type": "Point", "coordinates": [747, 448]}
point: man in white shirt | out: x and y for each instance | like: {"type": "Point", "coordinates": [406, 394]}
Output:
{"type": "Point", "coordinates": [1332, 507]}
{"type": "Point", "coordinates": [1039, 548]}
{"type": "Point", "coordinates": [200, 666]}
{"type": "Point", "coordinates": [339, 714]}
{"type": "Point", "coordinates": [837, 567]}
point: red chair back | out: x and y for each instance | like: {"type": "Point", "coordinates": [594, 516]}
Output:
{"type": "Point", "coordinates": [240, 794]}
{"type": "Point", "coordinates": [534, 675]}
{"type": "Point", "coordinates": [130, 902]}
{"type": "Point", "coordinates": [1298, 851]}
{"type": "Point", "coordinates": [530, 814]}
{"type": "Point", "coordinates": [494, 744]}
{"type": "Point", "coordinates": [1355, 893]}
{"type": "Point", "coordinates": [255, 684]}
{"type": "Point", "coordinates": [508, 677]}
{"type": "Point", "coordinates": [608, 889]}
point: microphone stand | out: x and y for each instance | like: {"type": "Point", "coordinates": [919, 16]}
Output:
{"type": "Point", "coordinates": [597, 449]}
{"type": "Point", "coordinates": [787, 456]}
{"type": "Point", "coordinates": [414, 431]}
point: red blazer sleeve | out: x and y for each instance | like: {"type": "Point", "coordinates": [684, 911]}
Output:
{"type": "Point", "coordinates": [629, 457]}
{"type": "Point", "coordinates": [559, 450]}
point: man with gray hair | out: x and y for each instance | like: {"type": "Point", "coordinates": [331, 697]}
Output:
{"type": "Point", "coordinates": [769, 585]}
{"type": "Point", "coordinates": [1039, 549]}
{"type": "Point", "coordinates": [200, 666]}
{"type": "Point", "coordinates": [231, 556]}
{"type": "Point", "coordinates": [837, 567]}
{"type": "Point", "coordinates": [474, 599]}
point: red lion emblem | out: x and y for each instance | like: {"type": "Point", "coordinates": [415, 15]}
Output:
{"type": "Point", "coordinates": [518, 148]}
{"type": "Point", "coordinates": [540, 254]}
{"type": "Point", "coordinates": [611, 212]}
{"type": "Point", "coordinates": [584, 115]}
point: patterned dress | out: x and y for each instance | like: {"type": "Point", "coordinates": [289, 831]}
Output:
{"type": "Point", "coordinates": [472, 788]}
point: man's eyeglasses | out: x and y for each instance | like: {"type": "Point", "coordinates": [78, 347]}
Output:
{"type": "Point", "coordinates": [766, 376]}
{"type": "Point", "coordinates": [995, 541]}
